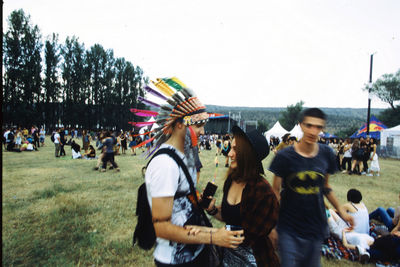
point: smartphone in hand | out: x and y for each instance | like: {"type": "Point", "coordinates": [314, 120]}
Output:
{"type": "Point", "coordinates": [233, 227]}
{"type": "Point", "coordinates": [209, 191]}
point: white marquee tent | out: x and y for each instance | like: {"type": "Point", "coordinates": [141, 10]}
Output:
{"type": "Point", "coordinates": [390, 143]}
{"type": "Point", "coordinates": [391, 132]}
{"type": "Point", "coordinates": [297, 132]}
{"type": "Point", "coordinates": [277, 131]}
{"type": "Point", "coordinates": [146, 128]}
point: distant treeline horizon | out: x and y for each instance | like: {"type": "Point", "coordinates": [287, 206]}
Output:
{"type": "Point", "coordinates": [341, 121]}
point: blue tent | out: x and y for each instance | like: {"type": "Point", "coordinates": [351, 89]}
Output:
{"type": "Point", "coordinates": [327, 135]}
{"type": "Point", "coordinates": [375, 128]}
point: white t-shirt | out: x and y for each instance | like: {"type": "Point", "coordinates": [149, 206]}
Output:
{"type": "Point", "coordinates": [76, 155]}
{"type": "Point", "coordinates": [56, 137]}
{"type": "Point", "coordinates": [347, 153]}
{"type": "Point", "coordinates": [163, 179]}
{"type": "Point", "coordinates": [6, 136]}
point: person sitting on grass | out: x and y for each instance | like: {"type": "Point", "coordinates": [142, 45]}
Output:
{"type": "Point", "coordinates": [75, 150]}
{"type": "Point", "coordinates": [356, 208]}
{"type": "Point", "coordinates": [389, 217]}
{"type": "Point", "coordinates": [91, 154]}
{"type": "Point", "coordinates": [386, 248]}
{"type": "Point", "coordinates": [351, 239]}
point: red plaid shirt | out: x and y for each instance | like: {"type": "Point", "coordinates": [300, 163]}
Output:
{"type": "Point", "coordinates": [259, 211]}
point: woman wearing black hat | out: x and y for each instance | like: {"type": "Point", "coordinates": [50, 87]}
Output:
{"type": "Point", "coordinates": [248, 202]}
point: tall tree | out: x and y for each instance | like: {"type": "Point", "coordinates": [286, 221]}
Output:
{"type": "Point", "coordinates": [51, 84]}
{"type": "Point", "coordinates": [96, 59]}
{"type": "Point", "coordinates": [75, 78]}
{"type": "Point", "coordinates": [290, 117]}
{"type": "Point", "coordinates": [387, 88]}
{"type": "Point", "coordinates": [22, 67]}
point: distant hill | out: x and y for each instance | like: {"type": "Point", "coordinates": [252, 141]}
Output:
{"type": "Point", "coordinates": [338, 118]}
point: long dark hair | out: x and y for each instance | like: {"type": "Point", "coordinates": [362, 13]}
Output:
{"type": "Point", "coordinates": [248, 166]}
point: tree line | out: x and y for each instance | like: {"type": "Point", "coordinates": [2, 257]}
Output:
{"type": "Point", "coordinates": [55, 84]}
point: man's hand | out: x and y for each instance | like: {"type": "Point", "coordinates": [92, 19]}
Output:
{"type": "Point", "coordinates": [348, 218]}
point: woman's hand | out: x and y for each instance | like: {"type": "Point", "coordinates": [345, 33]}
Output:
{"type": "Point", "coordinates": [212, 204]}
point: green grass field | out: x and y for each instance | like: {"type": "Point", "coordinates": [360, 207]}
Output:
{"type": "Point", "coordinates": [59, 212]}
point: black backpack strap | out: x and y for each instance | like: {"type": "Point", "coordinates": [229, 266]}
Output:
{"type": "Point", "coordinates": [169, 152]}
{"type": "Point", "coordinates": [180, 163]}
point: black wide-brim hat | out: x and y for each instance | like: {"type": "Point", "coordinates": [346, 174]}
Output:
{"type": "Point", "coordinates": [258, 142]}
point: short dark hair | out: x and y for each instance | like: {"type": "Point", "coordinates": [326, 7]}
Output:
{"type": "Point", "coordinates": [285, 138]}
{"type": "Point", "coordinates": [353, 195]}
{"type": "Point", "coordinates": [312, 112]}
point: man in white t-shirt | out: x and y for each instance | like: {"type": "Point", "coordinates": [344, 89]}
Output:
{"type": "Point", "coordinates": [6, 140]}
{"type": "Point", "coordinates": [57, 143]}
{"type": "Point", "coordinates": [165, 180]}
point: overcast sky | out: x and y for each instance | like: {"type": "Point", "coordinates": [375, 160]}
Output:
{"type": "Point", "coordinates": [240, 53]}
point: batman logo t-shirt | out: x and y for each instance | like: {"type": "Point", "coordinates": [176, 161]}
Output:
{"type": "Point", "coordinates": [302, 209]}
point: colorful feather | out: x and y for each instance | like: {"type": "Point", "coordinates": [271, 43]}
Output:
{"type": "Point", "coordinates": [143, 143]}
{"type": "Point", "coordinates": [163, 87]}
{"type": "Point", "coordinates": [154, 92]}
{"type": "Point", "coordinates": [141, 124]}
{"type": "Point", "coordinates": [143, 113]}
{"type": "Point", "coordinates": [148, 102]}
{"type": "Point", "coordinates": [174, 83]}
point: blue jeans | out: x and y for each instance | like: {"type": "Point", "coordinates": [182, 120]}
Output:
{"type": "Point", "coordinates": [295, 251]}
{"type": "Point", "coordinates": [384, 216]}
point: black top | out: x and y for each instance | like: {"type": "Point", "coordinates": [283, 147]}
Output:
{"type": "Point", "coordinates": [230, 213]}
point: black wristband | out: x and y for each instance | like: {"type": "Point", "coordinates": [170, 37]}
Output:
{"type": "Point", "coordinates": [213, 211]}
{"type": "Point", "coordinates": [326, 190]}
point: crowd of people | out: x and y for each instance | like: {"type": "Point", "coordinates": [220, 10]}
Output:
{"type": "Point", "coordinates": [108, 144]}
{"type": "Point", "coordinates": [353, 155]}
{"type": "Point", "coordinates": [283, 224]}
{"type": "Point", "coordinates": [19, 139]}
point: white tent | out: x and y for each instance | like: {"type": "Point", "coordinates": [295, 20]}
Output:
{"type": "Point", "coordinates": [143, 130]}
{"type": "Point", "coordinates": [277, 131]}
{"type": "Point", "coordinates": [155, 125]}
{"type": "Point", "coordinates": [390, 143]}
{"type": "Point", "coordinates": [391, 132]}
{"type": "Point", "coordinates": [146, 128]}
{"type": "Point", "coordinates": [297, 132]}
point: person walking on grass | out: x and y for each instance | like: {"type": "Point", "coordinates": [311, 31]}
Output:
{"type": "Point", "coordinates": [108, 143]}
{"type": "Point", "coordinates": [57, 142]}
{"type": "Point", "coordinates": [62, 141]}
{"type": "Point", "coordinates": [302, 172]}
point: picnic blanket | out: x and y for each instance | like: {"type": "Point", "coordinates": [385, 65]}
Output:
{"type": "Point", "coordinates": [333, 248]}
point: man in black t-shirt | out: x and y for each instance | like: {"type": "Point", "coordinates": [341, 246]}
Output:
{"type": "Point", "coordinates": [302, 172]}
{"type": "Point", "coordinates": [62, 141]}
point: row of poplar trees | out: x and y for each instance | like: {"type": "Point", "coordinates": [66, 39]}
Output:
{"type": "Point", "coordinates": [64, 84]}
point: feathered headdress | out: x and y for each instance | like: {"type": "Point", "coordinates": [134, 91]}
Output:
{"type": "Point", "coordinates": [182, 103]}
